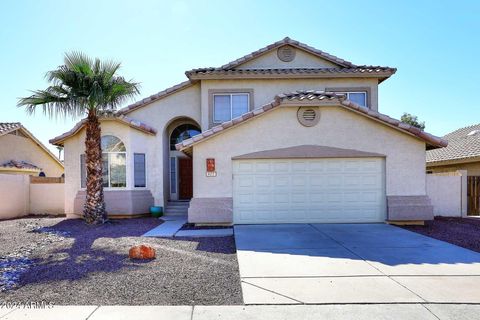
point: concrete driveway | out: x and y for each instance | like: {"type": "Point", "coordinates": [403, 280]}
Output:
{"type": "Point", "coordinates": [352, 263]}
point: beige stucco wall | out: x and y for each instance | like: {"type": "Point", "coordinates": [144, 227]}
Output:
{"type": "Point", "coordinates": [473, 168]}
{"type": "Point", "coordinates": [18, 197]}
{"type": "Point", "coordinates": [182, 105]}
{"type": "Point", "coordinates": [18, 148]}
{"type": "Point", "coordinates": [302, 60]}
{"type": "Point", "coordinates": [264, 90]}
{"type": "Point", "coordinates": [405, 161]}
{"type": "Point", "coordinates": [14, 195]}
{"type": "Point", "coordinates": [135, 142]}
{"type": "Point", "coordinates": [448, 193]}
{"type": "Point", "coordinates": [47, 198]}
{"type": "Point", "coordinates": [159, 114]}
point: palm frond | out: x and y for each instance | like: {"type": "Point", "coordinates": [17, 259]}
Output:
{"type": "Point", "coordinates": [82, 85]}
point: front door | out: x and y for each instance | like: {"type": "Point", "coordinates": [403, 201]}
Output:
{"type": "Point", "coordinates": [185, 176]}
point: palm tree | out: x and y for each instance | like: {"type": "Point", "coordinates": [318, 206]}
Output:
{"type": "Point", "coordinates": [85, 87]}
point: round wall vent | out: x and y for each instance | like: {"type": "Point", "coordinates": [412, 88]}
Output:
{"type": "Point", "coordinates": [308, 116]}
{"type": "Point", "coordinates": [286, 53]}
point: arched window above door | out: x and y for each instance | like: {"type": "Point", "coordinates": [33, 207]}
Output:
{"type": "Point", "coordinates": [183, 132]}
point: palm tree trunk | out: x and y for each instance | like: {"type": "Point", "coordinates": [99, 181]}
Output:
{"type": "Point", "coordinates": [94, 209]}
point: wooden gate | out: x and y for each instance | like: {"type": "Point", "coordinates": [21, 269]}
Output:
{"type": "Point", "coordinates": [473, 195]}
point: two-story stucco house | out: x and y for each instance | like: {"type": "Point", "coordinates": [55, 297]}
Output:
{"type": "Point", "coordinates": [285, 134]}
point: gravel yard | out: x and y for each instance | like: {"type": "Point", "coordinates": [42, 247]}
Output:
{"type": "Point", "coordinates": [67, 262]}
{"type": "Point", "coordinates": [461, 232]}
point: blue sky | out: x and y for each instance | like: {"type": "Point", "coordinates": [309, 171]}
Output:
{"type": "Point", "coordinates": [434, 44]}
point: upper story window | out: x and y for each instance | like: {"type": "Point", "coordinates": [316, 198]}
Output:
{"type": "Point", "coordinates": [359, 97]}
{"type": "Point", "coordinates": [114, 163]}
{"type": "Point", "coordinates": [227, 106]}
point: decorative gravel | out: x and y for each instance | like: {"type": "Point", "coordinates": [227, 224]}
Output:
{"type": "Point", "coordinates": [463, 232]}
{"type": "Point", "coordinates": [67, 262]}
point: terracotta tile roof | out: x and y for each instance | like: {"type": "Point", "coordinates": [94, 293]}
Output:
{"type": "Point", "coordinates": [20, 165]}
{"type": "Point", "coordinates": [362, 71]}
{"type": "Point", "coordinates": [345, 67]}
{"type": "Point", "coordinates": [294, 43]}
{"type": "Point", "coordinates": [463, 143]}
{"type": "Point", "coordinates": [312, 95]}
{"type": "Point", "coordinates": [120, 118]}
{"type": "Point", "coordinates": [155, 97]}
{"type": "Point", "coordinates": [6, 127]}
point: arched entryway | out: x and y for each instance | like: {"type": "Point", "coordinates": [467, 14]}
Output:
{"type": "Point", "coordinates": [180, 165]}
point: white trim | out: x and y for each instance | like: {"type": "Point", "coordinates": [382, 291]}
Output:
{"type": "Point", "coordinates": [231, 103]}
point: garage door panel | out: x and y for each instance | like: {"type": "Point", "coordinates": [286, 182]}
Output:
{"type": "Point", "coordinates": [245, 181]}
{"type": "Point", "coordinates": [262, 181]}
{"type": "Point", "coordinates": [263, 198]}
{"type": "Point", "coordinates": [316, 166]}
{"type": "Point", "coordinates": [299, 166]}
{"type": "Point", "coordinates": [281, 198]}
{"type": "Point", "coordinates": [331, 180]}
{"type": "Point", "coordinates": [299, 198]}
{"type": "Point", "coordinates": [245, 198]}
{"type": "Point", "coordinates": [281, 181]}
{"type": "Point", "coordinates": [263, 167]}
{"type": "Point", "coordinates": [310, 190]}
{"type": "Point", "coordinates": [281, 214]}
{"type": "Point", "coordinates": [334, 165]}
{"type": "Point", "coordinates": [299, 181]}
{"type": "Point", "coordinates": [244, 167]}
{"type": "Point", "coordinates": [281, 167]}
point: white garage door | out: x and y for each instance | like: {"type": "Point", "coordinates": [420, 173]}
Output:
{"type": "Point", "coordinates": [309, 190]}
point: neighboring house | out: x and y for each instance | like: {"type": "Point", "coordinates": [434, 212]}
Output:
{"type": "Point", "coordinates": [22, 153]}
{"type": "Point", "coordinates": [287, 133]}
{"type": "Point", "coordinates": [462, 153]}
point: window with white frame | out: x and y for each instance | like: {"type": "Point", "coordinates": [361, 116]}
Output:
{"type": "Point", "coordinates": [227, 106]}
{"type": "Point", "coordinates": [359, 97]}
{"type": "Point", "coordinates": [114, 163]}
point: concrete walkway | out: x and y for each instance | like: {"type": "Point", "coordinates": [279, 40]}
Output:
{"type": "Point", "coordinates": [168, 228]}
{"type": "Point", "coordinates": [346, 263]}
{"type": "Point", "coordinates": [265, 312]}
{"type": "Point", "coordinates": [172, 225]}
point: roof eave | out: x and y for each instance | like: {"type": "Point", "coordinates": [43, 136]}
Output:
{"type": "Point", "coordinates": [12, 169]}
{"type": "Point", "coordinates": [59, 141]}
{"type": "Point", "coordinates": [381, 76]}
{"type": "Point", "coordinates": [447, 162]}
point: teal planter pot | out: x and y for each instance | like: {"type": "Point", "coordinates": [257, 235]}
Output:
{"type": "Point", "coordinates": [156, 211]}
